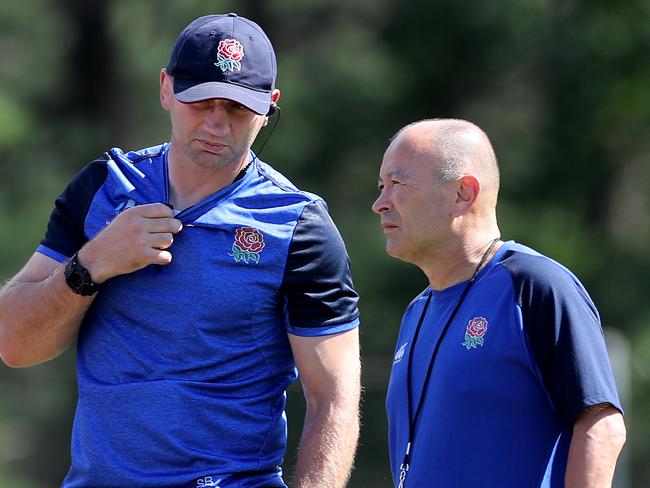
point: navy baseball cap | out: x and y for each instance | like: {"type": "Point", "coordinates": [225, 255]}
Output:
{"type": "Point", "coordinates": [224, 56]}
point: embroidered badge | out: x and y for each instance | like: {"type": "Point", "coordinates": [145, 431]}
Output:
{"type": "Point", "coordinates": [229, 54]}
{"type": "Point", "coordinates": [476, 329]}
{"type": "Point", "coordinates": [248, 244]}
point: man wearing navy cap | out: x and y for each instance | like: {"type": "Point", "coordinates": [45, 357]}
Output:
{"type": "Point", "coordinates": [198, 282]}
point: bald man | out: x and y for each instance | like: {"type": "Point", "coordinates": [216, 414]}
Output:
{"type": "Point", "coordinates": [500, 376]}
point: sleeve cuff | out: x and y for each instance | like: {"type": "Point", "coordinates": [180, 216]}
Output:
{"type": "Point", "coordinates": [322, 331]}
{"type": "Point", "coordinates": [61, 258]}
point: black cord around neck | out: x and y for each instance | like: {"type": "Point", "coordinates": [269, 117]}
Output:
{"type": "Point", "coordinates": [404, 467]}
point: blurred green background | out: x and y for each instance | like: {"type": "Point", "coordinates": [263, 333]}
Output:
{"type": "Point", "coordinates": [561, 87]}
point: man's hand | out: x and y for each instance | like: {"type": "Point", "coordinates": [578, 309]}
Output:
{"type": "Point", "coordinates": [136, 238]}
{"type": "Point", "coordinates": [40, 315]}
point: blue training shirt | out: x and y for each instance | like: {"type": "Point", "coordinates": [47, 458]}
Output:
{"type": "Point", "coordinates": [523, 357]}
{"type": "Point", "coordinates": [182, 369]}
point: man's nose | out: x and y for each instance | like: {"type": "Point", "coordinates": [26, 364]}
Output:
{"type": "Point", "coordinates": [382, 204]}
{"type": "Point", "coordinates": [217, 120]}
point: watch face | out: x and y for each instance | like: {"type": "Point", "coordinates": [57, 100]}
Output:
{"type": "Point", "coordinates": [72, 275]}
{"type": "Point", "coordinates": [78, 278]}
{"type": "Point", "coordinates": [75, 279]}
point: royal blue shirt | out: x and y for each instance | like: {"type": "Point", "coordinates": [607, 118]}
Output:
{"type": "Point", "coordinates": [523, 356]}
{"type": "Point", "coordinates": [182, 369]}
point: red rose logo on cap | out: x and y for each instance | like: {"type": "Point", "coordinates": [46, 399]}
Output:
{"type": "Point", "coordinates": [229, 54]}
{"type": "Point", "coordinates": [476, 329]}
{"type": "Point", "coordinates": [248, 244]}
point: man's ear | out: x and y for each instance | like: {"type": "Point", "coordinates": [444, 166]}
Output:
{"type": "Point", "coordinates": [275, 95]}
{"type": "Point", "coordinates": [467, 190]}
{"type": "Point", "coordinates": [166, 89]}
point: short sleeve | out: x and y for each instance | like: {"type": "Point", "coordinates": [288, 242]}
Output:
{"type": "Point", "coordinates": [317, 282]}
{"type": "Point", "coordinates": [65, 230]}
{"type": "Point", "coordinates": [565, 335]}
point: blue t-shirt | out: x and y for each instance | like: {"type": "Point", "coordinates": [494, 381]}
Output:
{"type": "Point", "coordinates": [182, 369]}
{"type": "Point", "coordinates": [523, 357]}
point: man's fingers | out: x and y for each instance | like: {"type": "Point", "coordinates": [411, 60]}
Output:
{"type": "Point", "coordinates": [162, 240]}
{"type": "Point", "coordinates": [137, 237]}
{"type": "Point", "coordinates": [154, 217]}
{"type": "Point", "coordinates": [161, 257]}
{"type": "Point", "coordinates": [164, 224]}
{"type": "Point", "coordinates": [151, 210]}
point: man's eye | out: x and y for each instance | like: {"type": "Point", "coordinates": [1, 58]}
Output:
{"type": "Point", "coordinates": [238, 107]}
{"type": "Point", "coordinates": [202, 105]}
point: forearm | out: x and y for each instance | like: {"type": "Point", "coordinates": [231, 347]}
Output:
{"type": "Point", "coordinates": [38, 319]}
{"type": "Point", "coordinates": [598, 437]}
{"type": "Point", "coordinates": [40, 314]}
{"type": "Point", "coordinates": [328, 443]}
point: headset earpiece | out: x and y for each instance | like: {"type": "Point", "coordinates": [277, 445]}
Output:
{"type": "Point", "coordinates": [273, 108]}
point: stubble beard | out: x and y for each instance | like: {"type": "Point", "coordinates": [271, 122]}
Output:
{"type": "Point", "coordinates": [206, 160]}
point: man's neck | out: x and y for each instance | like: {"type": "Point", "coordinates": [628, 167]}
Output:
{"type": "Point", "coordinates": [190, 184]}
{"type": "Point", "coordinates": [458, 263]}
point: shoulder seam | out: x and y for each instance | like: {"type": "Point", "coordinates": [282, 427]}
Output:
{"type": "Point", "coordinates": [308, 196]}
{"type": "Point", "coordinates": [293, 233]}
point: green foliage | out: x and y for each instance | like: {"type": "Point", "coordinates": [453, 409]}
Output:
{"type": "Point", "coordinates": [637, 413]}
{"type": "Point", "coordinates": [561, 89]}
{"type": "Point", "coordinates": [14, 123]}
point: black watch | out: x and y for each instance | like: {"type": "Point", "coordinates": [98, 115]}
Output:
{"type": "Point", "coordinates": [78, 278]}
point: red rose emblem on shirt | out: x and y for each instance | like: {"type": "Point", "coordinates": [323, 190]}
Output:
{"type": "Point", "coordinates": [248, 244]}
{"type": "Point", "coordinates": [477, 327]}
{"type": "Point", "coordinates": [249, 239]}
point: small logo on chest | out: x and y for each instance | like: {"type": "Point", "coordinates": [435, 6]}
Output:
{"type": "Point", "coordinates": [400, 353]}
{"type": "Point", "coordinates": [125, 205]}
{"type": "Point", "coordinates": [248, 245]}
{"type": "Point", "coordinates": [475, 332]}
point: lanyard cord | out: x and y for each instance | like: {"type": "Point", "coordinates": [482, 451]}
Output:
{"type": "Point", "coordinates": [404, 467]}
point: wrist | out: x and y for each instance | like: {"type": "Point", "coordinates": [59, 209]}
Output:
{"type": "Point", "coordinates": [88, 259]}
{"type": "Point", "coordinates": [79, 278]}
